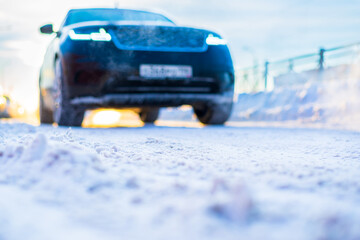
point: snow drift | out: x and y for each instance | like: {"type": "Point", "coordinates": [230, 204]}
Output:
{"type": "Point", "coordinates": [178, 183]}
{"type": "Point", "coordinates": [329, 98]}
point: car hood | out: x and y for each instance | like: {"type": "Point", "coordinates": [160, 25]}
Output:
{"type": "Point", "coordinates": [139, 24]}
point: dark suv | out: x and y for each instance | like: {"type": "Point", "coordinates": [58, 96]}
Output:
{"type": "Point", "coordinates": [118, 58]}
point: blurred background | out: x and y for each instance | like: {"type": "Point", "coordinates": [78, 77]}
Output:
{"type": "Point", "coordinates": [270, 40]}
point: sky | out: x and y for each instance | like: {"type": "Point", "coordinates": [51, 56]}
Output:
{"type": "Point", "coordinates": [256, 30]}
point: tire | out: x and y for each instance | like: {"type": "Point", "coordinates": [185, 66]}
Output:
{"type": "Point", "coordinates": [149, 115]}
{"type": "Point", "coordinates": [213, 113]}
{"type": "Point", "coordinates": [46, 116]}
{"type": "Point", "coordinates": [64, 113]}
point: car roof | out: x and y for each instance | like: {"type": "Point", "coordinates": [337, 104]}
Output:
{"type": "Point", "coordinates": [112, 9]}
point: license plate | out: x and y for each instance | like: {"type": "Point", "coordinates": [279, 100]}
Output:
{"type": "Point", "coordinates": [165, 71]}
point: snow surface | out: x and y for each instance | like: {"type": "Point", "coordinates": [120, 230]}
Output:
{"type": "Point", "coordinates": [178, 183]}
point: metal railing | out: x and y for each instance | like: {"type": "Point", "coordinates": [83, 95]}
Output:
{"type": "Point", "coordinates": [260, 78]}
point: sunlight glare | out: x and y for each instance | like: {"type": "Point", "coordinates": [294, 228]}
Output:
{"type": "Point", "coordinates": [106, 117]}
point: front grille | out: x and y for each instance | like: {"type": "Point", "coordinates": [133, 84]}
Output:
{"type": "Point", "coordinates": [135, 84]}
{"type": "Point", "coordinates": [162, 89]}
{"type": "Point", "coordinates": [160, 38]}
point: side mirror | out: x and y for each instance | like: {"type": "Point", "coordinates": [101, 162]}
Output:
{"type": "Point", "coordinates": [47, 29]}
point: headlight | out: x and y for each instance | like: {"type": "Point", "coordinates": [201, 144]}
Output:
{"type": "Point", "coordinates": [102, 35]}
{"type": "Point", "coordinates": [212, 40]}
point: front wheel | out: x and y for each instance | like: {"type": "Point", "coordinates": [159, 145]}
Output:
{"type": "Point", "coordinates": [64, 113]}
{"type": "Point", "coordinates": [213, 113]}
{"type": "Point", "coordinates": [149, 115]}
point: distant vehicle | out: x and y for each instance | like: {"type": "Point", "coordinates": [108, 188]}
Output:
{"type": "Point", "coordinates": [121, 58]}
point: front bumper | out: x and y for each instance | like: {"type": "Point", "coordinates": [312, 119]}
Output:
{"type": "Point", "coordinates": [151, 100]}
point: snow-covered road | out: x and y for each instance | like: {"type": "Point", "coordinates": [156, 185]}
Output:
{"type": "Point", "coordinates": [178, 183]}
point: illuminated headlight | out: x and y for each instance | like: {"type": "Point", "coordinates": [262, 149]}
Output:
{"type": "Point", "coordinates": [212, 40]}
{"type": "Point", "coordinates": [102, 35]}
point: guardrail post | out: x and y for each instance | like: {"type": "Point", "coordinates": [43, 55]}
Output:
{"type": "Point", "coordinates": [291, 65]}
{"type": "Point", "coordinates": [266, 73]}
{"type": "Point", "coordinates": [321, 59]}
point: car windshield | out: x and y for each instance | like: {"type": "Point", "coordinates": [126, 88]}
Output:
{"type": "Point", "coordinates": [86, 15]}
